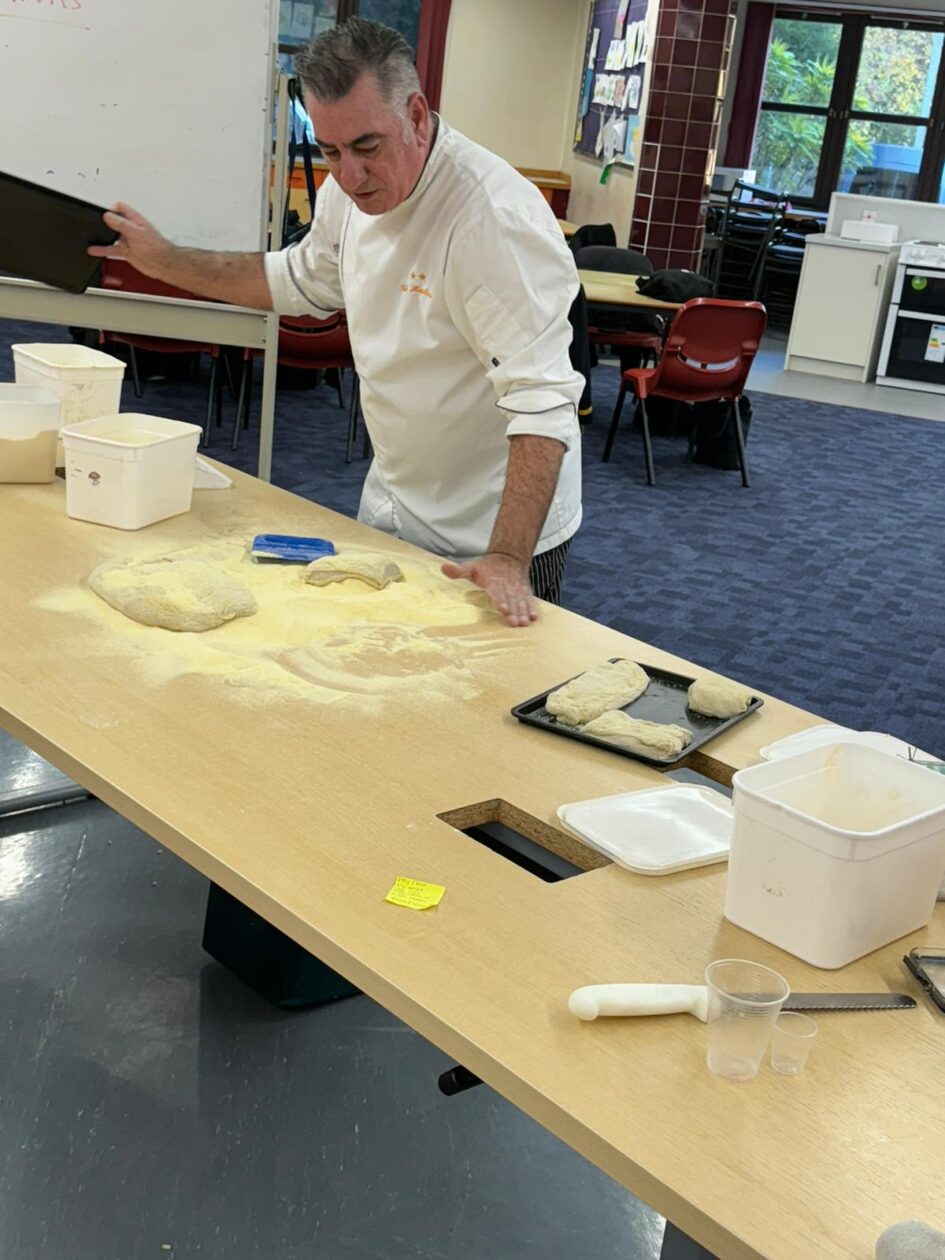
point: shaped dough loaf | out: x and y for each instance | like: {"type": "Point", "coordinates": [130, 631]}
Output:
{"type": "Point", "coordinates": [651, 739]}
{"type": "Point", "coordinates": [718, 697]}
{"type": "Point", "coordinates": [174, 594]}
{"type": "Point", "coordinates": [376, 571]}
{"type": "Point", "coordinates": [607, 686]}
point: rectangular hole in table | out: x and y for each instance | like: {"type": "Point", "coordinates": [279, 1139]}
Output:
{"type": "Point", "coordinates": [535, 846]}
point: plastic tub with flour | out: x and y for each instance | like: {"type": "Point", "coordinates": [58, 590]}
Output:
{"type": "Point", "coordinates": [836, 851]}
{"type": "Point", "coordinates": [129, 470]}
{"type": "Point", "coordinates": [29, 426]}
{"type": "Point", "coordinates": [87, 381]}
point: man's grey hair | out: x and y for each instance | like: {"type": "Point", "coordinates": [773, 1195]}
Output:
{"type": "Point", "coordinates": [331, 64]}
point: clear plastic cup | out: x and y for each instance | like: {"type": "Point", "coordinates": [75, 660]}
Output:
{"type": "Point", "coordinates": [744, 1000]}
{"type": "Point", "coordinates": [791, 1042]}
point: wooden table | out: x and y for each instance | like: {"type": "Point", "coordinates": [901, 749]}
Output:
{"type": "Point", "coordinates": [779, 1168]}
{"type": "Point", "coordinates": [567, 228]}
{"type": "Point", "coordinates": [617, 289]}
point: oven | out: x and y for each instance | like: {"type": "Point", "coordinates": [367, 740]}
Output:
{"type": "Point", "coordinates": [913, 349]}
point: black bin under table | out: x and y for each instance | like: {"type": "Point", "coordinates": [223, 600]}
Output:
{"type": "Point", "coordinates": [267, 960]}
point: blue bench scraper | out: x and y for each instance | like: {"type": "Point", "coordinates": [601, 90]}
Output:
{"type": "Point", "coordinates": [289, 548]}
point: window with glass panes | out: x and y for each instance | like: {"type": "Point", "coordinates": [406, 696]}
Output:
{"type": "Point", "coordinates": [854, 104]}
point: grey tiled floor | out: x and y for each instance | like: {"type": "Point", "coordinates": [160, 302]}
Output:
{"type": "Point", "coordinates": [152, 1107]}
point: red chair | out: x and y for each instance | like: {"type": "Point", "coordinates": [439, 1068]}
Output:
{"type": "Point", "coordinates": [708, 354]}
{"type": "Point", "coordinates": [310, 344]}
{"type": "Point", "coordinates": [117, 274]}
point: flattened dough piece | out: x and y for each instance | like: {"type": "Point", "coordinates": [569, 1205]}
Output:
{"type": "Point", "coordinates": [719, 697]}
{"type": "Point", "coordinates": [175, 594]}
{"type": "Point", "coordinates": [652, 739]}
{"type": "Point", "coordinates": [376, 571]}
{"type": "Point", "coordinates": [607, 686]}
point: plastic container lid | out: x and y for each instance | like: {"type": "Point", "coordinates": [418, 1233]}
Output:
{"type": "Point", "coordinates": [656, 831]}
{"type": "Point", "coordinates": [818, 736]}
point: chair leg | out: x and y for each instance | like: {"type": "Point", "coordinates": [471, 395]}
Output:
{"type": "Point", "coordinates": [136, 379]}
{"type": "Point", "coordinates": [339, 385]}
{"type": "Point", "coordinates": [242, 404]}
{"type": "Point", "coordinates": [212, 398]}
{"type": "Point", "coordinates": [612, 431]}
{"type": "Point", "coordinates": [647, 444]}
{"type": "Point", "coordinates": [740, 441]}
{"type": "Point", "coordinates": [353, 417]}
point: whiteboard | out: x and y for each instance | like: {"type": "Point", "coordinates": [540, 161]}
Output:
{"type": "Point", "coordinates": [163, 104]}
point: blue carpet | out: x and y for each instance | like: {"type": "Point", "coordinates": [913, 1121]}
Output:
{"type": "Point", "coordinates": [823, 583]}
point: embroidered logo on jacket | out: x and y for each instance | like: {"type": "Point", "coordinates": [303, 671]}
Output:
{"type": "Point", "coordinates": [417, 277]}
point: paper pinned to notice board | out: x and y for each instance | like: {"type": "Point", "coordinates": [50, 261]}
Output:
{"type": "Point", "coordinates": [592, 52]}
{"type": "Point", "coordinates": [621, 18]}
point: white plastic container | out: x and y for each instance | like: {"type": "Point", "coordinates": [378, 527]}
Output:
{"type": "Point", "coordinates": [874, 233]}
{"type": "Point", "coordinates": [29, 426]}
{"type": "Point", "coordinates": [87, 381]}
{"type": "Point", "coordinates": [129, 470]}
{"type": "Point", "coordinates": [836, 851]}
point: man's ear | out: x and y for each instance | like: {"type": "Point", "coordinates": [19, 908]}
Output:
{"type": "Point", "coordinates": [418, 112]}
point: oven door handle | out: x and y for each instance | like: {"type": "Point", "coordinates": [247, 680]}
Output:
{"type": "Point", "coordinates": [929, 275]}
{"type": "Point", "coordinates": [902, 313]}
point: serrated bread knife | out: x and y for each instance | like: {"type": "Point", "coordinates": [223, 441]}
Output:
{"type": "Point", "coordinates": [594, 1000]}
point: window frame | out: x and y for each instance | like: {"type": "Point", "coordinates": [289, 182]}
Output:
{"type": "Point", "coordinates": [840, 111]}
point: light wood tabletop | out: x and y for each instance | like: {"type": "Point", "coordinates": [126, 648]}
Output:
{"type": "Point", "coordinates": [306, 768]}
{"type": "Point", "coordinates": [567, 228]}
{"type": "Point", "coordinates": [619, 290]}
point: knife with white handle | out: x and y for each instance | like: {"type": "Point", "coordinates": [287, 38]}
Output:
{"type": "Point", "coordinates": [594, 1000]}
{"type": "Point", "coordinates": [638, 999]}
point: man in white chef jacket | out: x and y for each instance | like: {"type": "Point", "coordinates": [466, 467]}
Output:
{"type": "Point", "coordinates": [457, 283]}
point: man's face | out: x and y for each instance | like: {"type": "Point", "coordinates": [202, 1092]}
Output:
{"type": "Point", "coordinates": [375, 154]}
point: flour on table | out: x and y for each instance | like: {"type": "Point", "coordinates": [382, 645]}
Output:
{"type": "Point", "coordinates": [607, 686]}
{"type": "Point", "coordinates": [718, 697]}
{"type": "Point", "coordinates": [375, 571]}
{"type": "Point", "coordinates": [651, 739]}
{"type": "Point", "coordinates": [173, 593]}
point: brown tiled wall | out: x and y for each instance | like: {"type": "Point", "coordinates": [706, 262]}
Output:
{"type": "Point", "coordinates": [687, 83]}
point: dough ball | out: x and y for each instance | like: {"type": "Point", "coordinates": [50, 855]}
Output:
{"type": "Point", "coordinates": [376, 571]}
{"type": "Point", "coordinates": [607, 686]}
{"type": "Point", "coordinates": [714, 696]}
{"type": "Point", "coordinates": [651, 739]}
{"type": "Point", "coordinates": [175, 594]}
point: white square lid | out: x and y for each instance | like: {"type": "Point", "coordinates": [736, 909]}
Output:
{"type": "Point", "coordinates": [656, 831]}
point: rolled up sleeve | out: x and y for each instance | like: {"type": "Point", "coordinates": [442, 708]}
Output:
{"type": "Point", "coordinates": [304, 279]}
{"type": "Point", "coordinates": [511, 282]}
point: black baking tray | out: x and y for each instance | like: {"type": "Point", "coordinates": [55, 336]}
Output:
{"type": "Point", "coordinates": [45, 235]}
{"type": "Point", "coordinates": [663, 701]}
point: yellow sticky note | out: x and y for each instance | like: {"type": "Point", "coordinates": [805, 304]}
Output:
{"type": "Point", "coordinates": [415, 894]}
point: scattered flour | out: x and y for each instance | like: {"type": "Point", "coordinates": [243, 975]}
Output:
{"type": "Point", "coordinates": [338, 643]}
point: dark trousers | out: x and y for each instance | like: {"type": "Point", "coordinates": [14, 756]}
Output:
{"type": "Point", "coordinates": [546, 571]}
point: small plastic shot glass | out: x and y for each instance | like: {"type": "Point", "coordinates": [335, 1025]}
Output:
{"type": "Point", "coordinates": [791, 1042]}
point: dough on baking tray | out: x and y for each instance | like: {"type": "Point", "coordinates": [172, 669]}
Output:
{"type": "Point", "coordinates": [607, 686]}
{"type": "Point", "coordinates": [376, 571]}
{"type": "Point", "coordinates": [651, 739]}
{"type": "Point", "coordinates": [718, 697]}
{"type": "Point", "coordinates": [175, 594]}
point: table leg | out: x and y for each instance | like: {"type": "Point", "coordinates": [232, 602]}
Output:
{"type": "Point", "coordinates": [267, 408]}
{"type": "Point", "coordinates": [679, 1246]}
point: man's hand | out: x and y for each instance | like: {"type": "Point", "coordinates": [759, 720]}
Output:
{"type": "Point", "coordinates": [505, 580]}
{"type": "Point", "coordinates": [139, 242]}
{"type": "Point", "coordinates": [228, 277]}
